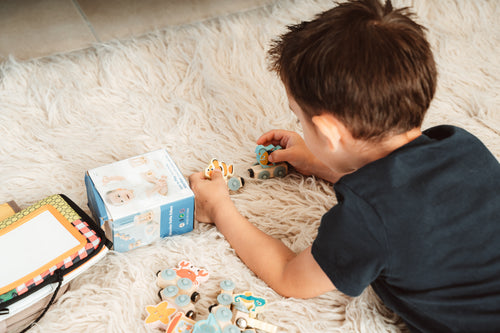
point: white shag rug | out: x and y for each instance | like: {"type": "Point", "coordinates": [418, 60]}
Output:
{"type": "Point", "coordinates": [203, 91]}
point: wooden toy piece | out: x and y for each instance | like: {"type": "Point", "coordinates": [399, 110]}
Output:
{"type": "Point", "coordinates": [185, 305]}
{"type": "Point", "coordinates": [166, 277]}
{"type": "Point", "coordinates": [160, 315]}
{"type": "Point", "coordinates": [180, 324]}
{"type": "Point", "coordinates": [208, 325]}
{"type": "Point", "coordinates": [279, 170]}
{"type": "Point", "coordinates": [233, 183]}
{"type": "Point", "coordinates": [264, 169]}
{"type": "Point", "coordinates": [244, 322]}
{"type": "Point", "coordinates": [182, 302]}
{"type": "Point", "coordinates": [187, 270]}
{"type": "Point", "coordinates": [227, 170]}
{"type": "Point", "coordinates": [249, 303]}
{"type": "Point", "coordinates": [225, 297]}
{"type": "Point", "coordinates": [262, 154]}
{"type": "Point", "coordinates": [237, 312]}
{"type": "Point", "coordinates": [180, 286]}
{"type": "Point", "coordinates": [224, 317]}
{"type": "Point", "coordinates": [184, 270]}
{"type": "Point", "coordinates": [224, 320]}
{"type": "Point", "coordinates": [246, 306]}
{"type": "Point", "coordinates": [227, 286]}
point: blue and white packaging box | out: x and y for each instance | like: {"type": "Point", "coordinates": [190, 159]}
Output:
{"type": "Point", "coordinates": [140, 199]}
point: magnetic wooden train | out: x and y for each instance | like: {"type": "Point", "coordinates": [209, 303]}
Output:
{"type": "Point", "coordinates": [233, 312]}
{"type": "Point", "coordinates": [262, 169]}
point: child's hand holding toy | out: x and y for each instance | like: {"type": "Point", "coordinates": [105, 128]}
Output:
{"type": "Point", "coordinates": [296, 152]}
{"type": "Point", "coordinates": [212, 195]}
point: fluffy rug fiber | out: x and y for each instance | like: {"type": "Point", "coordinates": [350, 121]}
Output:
{"type": "Point", "coordinates": [203, 91]}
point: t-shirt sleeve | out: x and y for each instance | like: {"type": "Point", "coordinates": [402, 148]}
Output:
{"type": "Point", "coordinates": [351, 245]}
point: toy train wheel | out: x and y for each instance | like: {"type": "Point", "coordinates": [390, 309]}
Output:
{"type": "Point", "coordinates": [195, 297]}
{"type": "Point", "coordinates": [211, 307]}
{"type": "Point", "coordinates": [241, 323]}
{"type": "Point", "coordinates": [191, 314]}
{"type": "Point", "coordinates": [234, 184]}
{"type": "Point", "coordinates": [251, 173]}
{"type": "Point", "coordinates": [264, 175]}
{"type": "Point", "coordinates": [280, 172]}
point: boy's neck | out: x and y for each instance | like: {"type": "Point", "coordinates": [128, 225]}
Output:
{"type": "Point", "coordinates": [365, 152]}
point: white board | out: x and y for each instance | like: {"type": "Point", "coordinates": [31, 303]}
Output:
{"type": "Point", "coordinates": [34, 245]}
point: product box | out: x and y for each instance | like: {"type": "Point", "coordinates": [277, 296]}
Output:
{"type": "Point", "coordinates": [140, 199]}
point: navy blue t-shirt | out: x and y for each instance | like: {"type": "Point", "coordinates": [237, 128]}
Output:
{"type": "Point", "coordinates": [422, 227]}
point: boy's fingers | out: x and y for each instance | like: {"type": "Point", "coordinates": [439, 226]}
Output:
{"type": "Point", "coordinates": [264, 138]}
{"type": "Point", "coordinates": [271, 137]}
{"type": "Point", "coordinates": [278, 156]}
{"type": "Point", "coordinates": [216, 174]}
{"type": "Point", "coordinates": [195, 177]}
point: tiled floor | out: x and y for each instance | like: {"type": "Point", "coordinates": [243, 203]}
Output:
{"type": "Point", "coordinates": [37, 28]}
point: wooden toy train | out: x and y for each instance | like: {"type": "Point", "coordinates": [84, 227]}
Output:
{"type": "Point", "coordinates": [233, 312]}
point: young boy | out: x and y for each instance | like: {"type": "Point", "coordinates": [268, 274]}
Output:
{"type": "Point", "coordinates": [418, 215]}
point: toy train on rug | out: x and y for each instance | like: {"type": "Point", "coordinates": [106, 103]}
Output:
{"type": "Point", "coordinates": [262, 169]}
{"type": "Point", "coordinates": [233, 312]}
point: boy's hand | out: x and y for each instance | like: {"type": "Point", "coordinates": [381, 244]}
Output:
{"type": "Point", "coordinates": [294, 151]}
{"type": "Point", "coordinates": [211, 195]}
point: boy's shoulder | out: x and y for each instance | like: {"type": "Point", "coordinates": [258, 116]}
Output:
{"type": "Point", "coordinates": [449, 134]}
{"type": "Point", "coordinates": [446, 171]}
{"type": "Point", "coordinates": [440, 153]}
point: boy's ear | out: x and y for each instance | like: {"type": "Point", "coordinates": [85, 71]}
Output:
{"type": "Point", "coordinates": [329, 127]}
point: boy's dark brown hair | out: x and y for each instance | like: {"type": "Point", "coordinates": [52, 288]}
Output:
{"type": "Point", "coordinates": [366, 63]}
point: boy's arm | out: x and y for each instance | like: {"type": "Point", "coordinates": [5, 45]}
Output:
{"type": "Point", "coordinates": [289, 274]}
